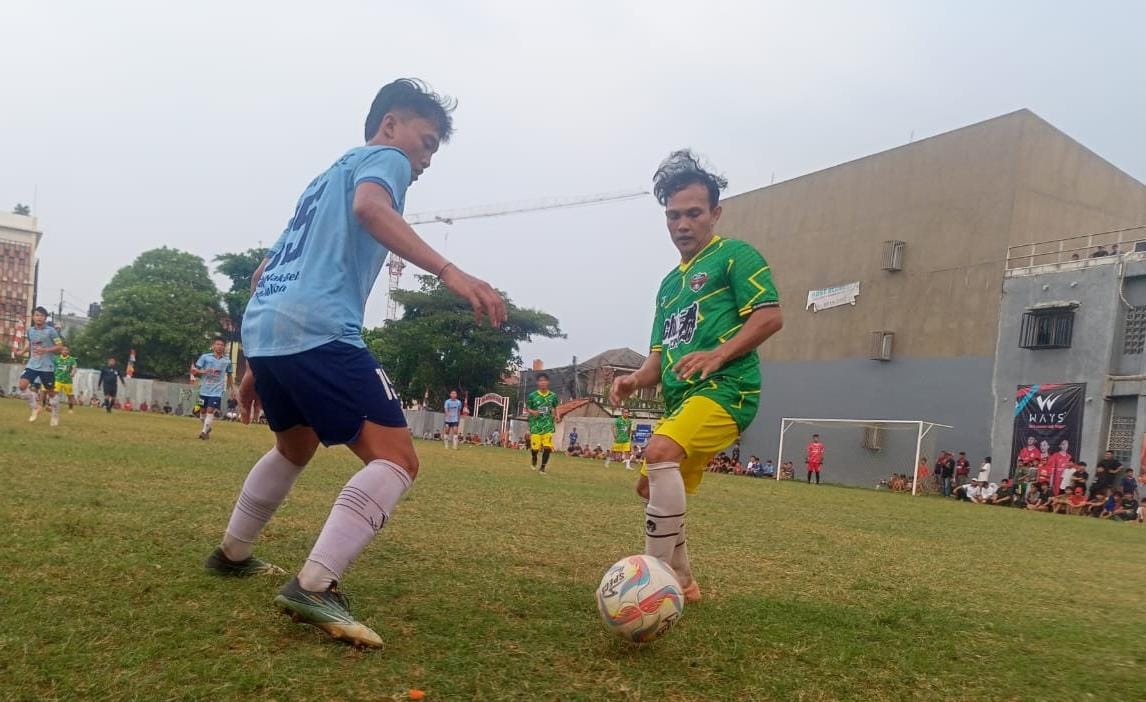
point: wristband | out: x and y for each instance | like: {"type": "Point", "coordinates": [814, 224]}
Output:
{"type": "Point", "coordinates": [448, 264]}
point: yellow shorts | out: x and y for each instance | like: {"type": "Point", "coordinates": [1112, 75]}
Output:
{"type": "Point", "coordinates": [626, 447]}
{"type": "Point", "coordinates": [65, 389]}
{"type": "Point", "coordinates": [701, 427]}
{"type": "Point", "coordinates": [540, 441]}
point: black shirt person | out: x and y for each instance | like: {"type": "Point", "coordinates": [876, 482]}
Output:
{"type": "Point", "coordinates": [109, 377]}
{"type": "Point", "coordinates": [1106, 472]}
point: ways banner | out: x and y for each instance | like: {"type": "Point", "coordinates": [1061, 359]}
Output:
{"type": "Point", "coordinates": [1048, 424]}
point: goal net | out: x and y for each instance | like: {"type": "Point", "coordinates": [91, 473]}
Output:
{"type": "Point", "coordinates": [883, 454]}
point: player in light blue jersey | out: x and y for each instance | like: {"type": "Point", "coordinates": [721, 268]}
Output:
{"type": "Point", "coordinates": [309, 368]}
{"type": "Point", "coordinates": [453, 409]}
{"type": "Point", "coordinates": [214, 373]}
{"type": "Point", "coordinates": [38, 381]}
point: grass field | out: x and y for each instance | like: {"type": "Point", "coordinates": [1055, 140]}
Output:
{"type": "Point", "coordinates": [482, 585]}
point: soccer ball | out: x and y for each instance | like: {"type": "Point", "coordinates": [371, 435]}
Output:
{"type": "Point", "coordinates": [639, 599]}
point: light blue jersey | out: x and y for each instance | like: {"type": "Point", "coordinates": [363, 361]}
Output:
{"type": "Point", "coordinates": [214, 381]}
{"type": "Point", "coordinates": [453, 411]}
{"type": "Point", "coordinates": [314, 289]}
{"type": "Point", "coordinates": [44, 338]}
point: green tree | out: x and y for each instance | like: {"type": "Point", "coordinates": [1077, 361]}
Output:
{"type": "Point", "coordinates": [437, 345]}
{"type": "Point", "coordinates": [21, 209]}
{"type": "Point", "coordinates": [164, 306]}
{"type": "Point", "coordinates": [240, 268]}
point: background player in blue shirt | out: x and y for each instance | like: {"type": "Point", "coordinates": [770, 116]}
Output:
{"type": "Point", "coordinates": [41, 343]}
{"type": "Point", "coordinates": [214, 373]}
{"type": "Point", "coordinates": [309, 368]}
{"type": "Point", "coordinates": [453, 408]}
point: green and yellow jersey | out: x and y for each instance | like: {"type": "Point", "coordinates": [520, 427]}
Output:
{"type": "Point", "coordinates": [700, 305]}
{"type": "Point", "coordinates": [64, 366]}
{"type": "Point", "coordinates": [545, 403]}
{"type": "Point", "coordinates": [621, 430]}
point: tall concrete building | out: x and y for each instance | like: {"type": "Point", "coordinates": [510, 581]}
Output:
{"type": "Point", "coordinates": [19, 238]}
{"type": "Point", "coordinates": [891, 269]}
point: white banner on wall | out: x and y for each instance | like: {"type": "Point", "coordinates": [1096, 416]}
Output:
{"type": "Point", "coordinates": [833, 297]}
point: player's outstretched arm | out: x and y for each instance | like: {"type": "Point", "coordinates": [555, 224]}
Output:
{"type": "Point", "coordinates": [647, 376]}
{"type": "Point", "coordinates": [760, 325]}
{"type": "Point", "coordinates": [375, 211]}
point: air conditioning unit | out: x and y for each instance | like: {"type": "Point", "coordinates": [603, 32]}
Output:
{"type": "Point", "coordinates": [873, 438]}
{"type": "Point", "coordinates": [893, 255]}
{"type": "Point", "coordinates": [881, 343]}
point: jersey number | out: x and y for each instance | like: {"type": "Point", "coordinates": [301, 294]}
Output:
{"type": "Point", "coordinates": [303, 218]}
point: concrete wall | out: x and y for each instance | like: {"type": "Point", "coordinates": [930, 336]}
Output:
{"type": "Point", "coordinates": [138, 391]}
{"type": "Point", "coordinates": [954, 391]}
{"type": "Point", "coordinates": [949, 197]}
{"type": "Point", "coordinates": [1096, 332]}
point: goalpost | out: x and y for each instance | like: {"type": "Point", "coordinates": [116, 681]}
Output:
{"type": "Point", "coordinates": [862, 451]}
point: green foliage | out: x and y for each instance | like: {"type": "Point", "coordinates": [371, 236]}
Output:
{"type": "Point", "coordinates": [164, 306]}
{"type": "Point", "coordinates": [240, 268]}
{"type": "Point", "coordinates": [21, 209]}
{"type": "Point", "coordinates": [437, 345]}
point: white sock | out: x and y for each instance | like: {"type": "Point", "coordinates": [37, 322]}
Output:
{"type": "Point", "coordinates": [629, 463]}
{"type": "Point", "coordinates": [446, 440]}
{"type": "Point", "coordinates": [208, 420]}
{"type": "Point", "coordinates": [664, 515]}
{"type": "Point", "coordinates": [608, 460]}
{"type": "Point", "coordinates": [361, 510]}
{"type": "Point", "coordinates": [679, 562]}
{"type": "Point", "coordinates": [455, 441]}
{"type": "Point", "coordinates": [54, 403]}
{"type": "Point", "coordinates": [30, 397]}
{"type": "Point", "coordinates": [265, 488]}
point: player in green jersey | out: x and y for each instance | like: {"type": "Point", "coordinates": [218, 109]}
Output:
{"type": "Point", "coordinates": [712, 311]}
{"type": "Point", "coordinates": [65, 370]}
{"type": "Point", "coordinates": [622, 449]}
{"type": "Point", "coordinates": [540, 406]}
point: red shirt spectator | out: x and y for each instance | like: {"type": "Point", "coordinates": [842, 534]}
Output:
{"type": "Point", "coordinates": [815, 455]}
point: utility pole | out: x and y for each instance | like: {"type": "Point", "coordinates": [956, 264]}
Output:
{"type": "Point", "coordinates": [60, 313]}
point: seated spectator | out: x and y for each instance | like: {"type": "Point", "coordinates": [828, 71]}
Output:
{"type": "Point", "coordinates": [179, 410]}
{"type": "Point", "coordinates": [143, 406]}
{"type": "Point", "coordinates": [752, 468]}
{"type": "Point", "coordinates": [787, 470]}
{"type": "Point", "coordinates": [1077, 502]}
{"type": "Point", "coordinates": [127, 406]}
{"type": "Point", "coordinates": [1004, 495]}
{"type": "Point", "coordinates": [1038, 496]}
{"type": "Point", "coordinates": [1110, 504]}
{"type": "Point", "coordinates": [1096, 503]}
{"type": "Point", "coordinates": [1066, 481]}
{"type": "Point", "coordinates": [1127, 509]}
{"type": "Point", "coordinates": [1142, 511]}
{"type": "Point", "coordinates": [768, 470]}
{"type": "Point", "coordinates": [981, 492]}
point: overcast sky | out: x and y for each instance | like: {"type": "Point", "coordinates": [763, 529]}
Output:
{"type": "Point", "coordinates": [140, 124]}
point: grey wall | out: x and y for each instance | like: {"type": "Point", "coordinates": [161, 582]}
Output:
{"type": "Point", "coordinates": [1096, 333]}
{"type": "Point", "coordinates": [954, 391]}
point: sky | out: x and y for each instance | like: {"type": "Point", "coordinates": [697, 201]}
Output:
{"type": "Point", "coordinates": [132, 125]}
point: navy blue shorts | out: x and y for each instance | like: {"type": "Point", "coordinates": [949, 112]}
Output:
{"type": "Point", "coordinates": [212, 402]}
{"type": "Point", "coordinates": [46, 379]}
{"type": "Point", "coordinates": [332, 389]}
{"type": "Point", "coordinates": [452, 425]}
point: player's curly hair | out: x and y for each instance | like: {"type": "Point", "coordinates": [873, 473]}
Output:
{"type": "Point", "coordinates": [417, 97]}
{"type": "Point", "coordinates": [681, 169]}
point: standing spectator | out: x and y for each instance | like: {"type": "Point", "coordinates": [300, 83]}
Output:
{"type": "Point", "coordinates": [1067, 481]}
{"type": "Point", "coordinates": [922, 473]}
{"type": "Point", "coordinates": [1129, 483]}
{"type": "Point", "coordinates": [1080, 477]}
{"type": "Point", "coordinates": [815, 458]}
{"type": "Point", "coordinates": [946, 473]}
{"type": "Point", "coordinates": [573, 438]}
{"type": "Point", "coordinates": [1100, 252]}
{"type": "Point", "coordinates": [1106, 472]}
{"type": "Point", "coordinates": [985, 470]}
{"type": "Point", "coordinates": [962, 469]}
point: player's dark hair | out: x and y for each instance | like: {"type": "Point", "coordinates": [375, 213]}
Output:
{"type": "Point", "coordinates": [41, 310]}
{"type": "Point", "coordinates": [218, 338]}
{"type": "Point", "coordinates": [542, 375]}
{"type": "Point", "coordinates": [415, 96]}
{"type": "Point", "coordinates": [681, 169]}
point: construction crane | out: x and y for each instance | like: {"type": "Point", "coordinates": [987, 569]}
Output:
{"type": "Point", "coordinates": [397, 265]}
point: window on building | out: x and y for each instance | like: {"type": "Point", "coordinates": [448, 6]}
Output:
{"type": "Point", "coordinates": [1134, 331]}
{"type": "Point", "coordinates": [1047, 328]}
{"type": "Point", "coordinates": [1120, 440]}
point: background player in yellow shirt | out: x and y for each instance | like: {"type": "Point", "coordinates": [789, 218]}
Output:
{"type": "Point", "coordinates": [712, 311]}
{"type": "Point", "coordinates": [540, 406]}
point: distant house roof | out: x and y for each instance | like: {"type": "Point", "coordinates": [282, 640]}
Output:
{"type": "Point", "coordinates": [566, 407]}
{"type": "Point", "coordinates": [616, 358]}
